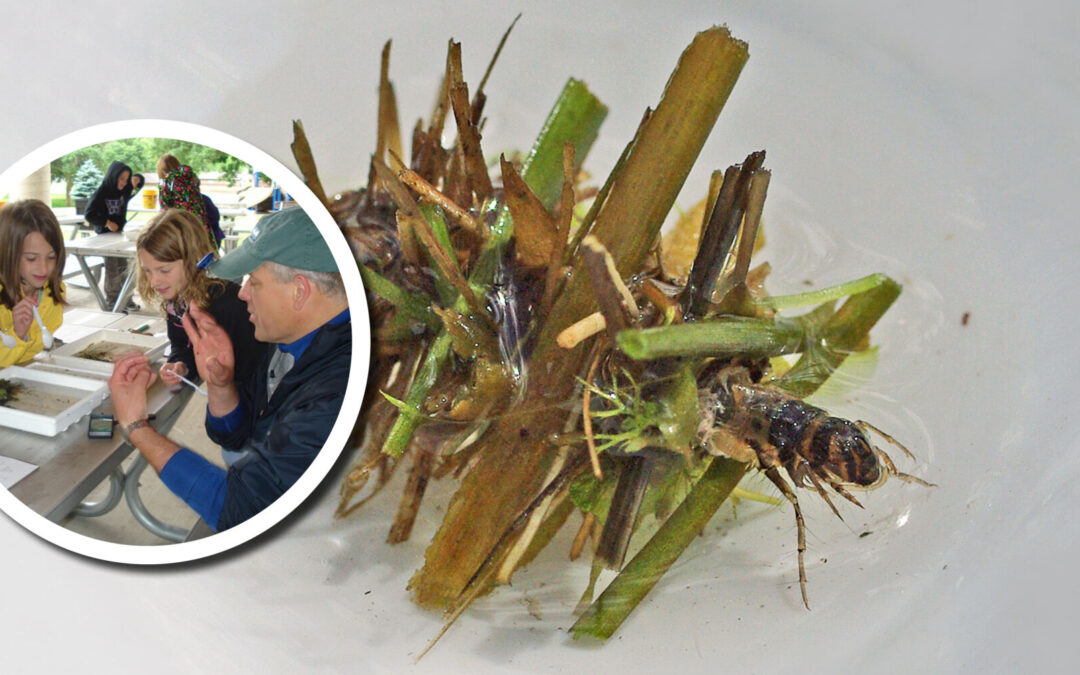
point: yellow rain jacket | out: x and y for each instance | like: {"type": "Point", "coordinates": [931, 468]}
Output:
{"type": "Point", "coordinates": [52, 315]}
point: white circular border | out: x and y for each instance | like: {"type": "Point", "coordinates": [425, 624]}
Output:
{"type": "Point", "coordinates": [361, 345]}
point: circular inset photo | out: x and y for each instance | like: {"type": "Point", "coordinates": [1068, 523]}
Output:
{"type": "Point", "coordinates": [185, 341]}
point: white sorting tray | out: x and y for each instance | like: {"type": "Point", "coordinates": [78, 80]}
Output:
{"type": "Point", "coordinates": [85, 394]}
{"type": "Point", "coordinates": [64, 355]}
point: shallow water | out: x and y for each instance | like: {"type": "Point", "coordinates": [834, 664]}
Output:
{"type": "Point", "coordinates": [806, 253]}
{"type": "Point", "coordinates": [107, 351]}
{"type": "Point", "coordinates": [44, 399]}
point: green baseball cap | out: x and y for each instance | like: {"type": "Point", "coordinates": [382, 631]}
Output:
{"type": "Point", "coordinates": [287, 237]}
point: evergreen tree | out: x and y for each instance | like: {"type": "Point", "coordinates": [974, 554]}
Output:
{"type": "Point", "coordinates": [87, 179]}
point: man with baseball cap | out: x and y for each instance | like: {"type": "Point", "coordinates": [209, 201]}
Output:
{"type": "Point", "coordinates": [272, 425]}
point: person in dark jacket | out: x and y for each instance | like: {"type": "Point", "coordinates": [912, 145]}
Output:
{"type": "Point", "coordinates": [107, 212]}
{"type": "Point", "coordinates": [275, 422]}
{"type": "Point", "coordinates": [213, 220]}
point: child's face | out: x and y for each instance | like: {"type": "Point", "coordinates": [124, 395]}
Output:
{"type": "Point", "coordinates": [37, 262]}
{"type": "Point", "coordinates": [122, 181]}
{"type": "Point", "coordinates": [166, 277]}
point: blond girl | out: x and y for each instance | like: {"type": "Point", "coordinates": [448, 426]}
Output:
{"type": "Point", "coordinates": [172, 253]}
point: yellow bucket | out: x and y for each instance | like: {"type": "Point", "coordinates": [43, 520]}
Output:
{"type": "Point", "coordinates": [149, 198]}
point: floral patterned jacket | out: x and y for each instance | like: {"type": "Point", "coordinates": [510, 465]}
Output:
{"type": "Point", "coordinates": [180, 190]}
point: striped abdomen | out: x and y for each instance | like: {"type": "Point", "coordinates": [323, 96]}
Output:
{"type": "Point", "coordinates": [785, 431]}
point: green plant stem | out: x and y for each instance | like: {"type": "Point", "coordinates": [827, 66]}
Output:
{"type": "Point", "coordinates": [411, 304]}
{"type": "Point", "coordinates": [575, 118]}
{"type": "Point", "coordinates": [723, 336]}
{"type": "Point", "coordinates": [444, 287]}
{"type": "Point", "coordinates": [781, 302]}
{"type": "Point", "coordinates": [840, 335]}
{"type": "Point", "coordinates": [401, 433]}
{"type": "Point", "coordinates": [397, 328]}
{"type": "Point", "coordinates": [654, 559]}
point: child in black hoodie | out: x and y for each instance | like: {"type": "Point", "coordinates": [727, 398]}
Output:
{"type": "Point", "coordinates": [107, 212]}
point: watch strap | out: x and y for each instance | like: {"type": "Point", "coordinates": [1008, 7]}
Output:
{"type": "Point", "coordinates": [137, 424]}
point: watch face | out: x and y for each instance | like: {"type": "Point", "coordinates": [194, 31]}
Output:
{"type": "Point", "coordinates": [100, 426]}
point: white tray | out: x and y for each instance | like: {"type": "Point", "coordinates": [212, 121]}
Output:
{"type": "Point", "coordinates": [88, 394]}
{"type": "Point", "coordinates": [64, 355]}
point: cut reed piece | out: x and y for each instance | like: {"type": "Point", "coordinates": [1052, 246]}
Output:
{"type": "Point", "coordinates": [428, 191]}
{"type": "Point", "coordinates": [646, 568]}
{"type": "Point", "coordinates": [553, 280]}
{"type": "Point", "coordinates": [723, 336]}
{"type": "Point", "coordinates": [535, 231]}
{"type": "Point", "coordinates": [581, 330]}
{"type": "Point", "coordinates": [388, 137]}
{"type": "Point", "coordinates": [302, 152]}
{"type": "Point", "coordinates": [616, 303]}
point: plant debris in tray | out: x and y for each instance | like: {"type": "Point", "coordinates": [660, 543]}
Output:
{"type": "Point", "coordinates": [106, 351]}
{"type": "Point", "coordinates": [9, 391]}
{"type": "Point", "coordinates": [40, 398]}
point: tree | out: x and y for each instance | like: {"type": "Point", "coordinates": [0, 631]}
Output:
{"type": "Point", "coordinates": [141, 154]}
{"type": "Point", "coordinates": [86, 180]}
{"type": "Point", "coordinates": [67, 166]}
{"type": "Point", "coordinates": [200, 158]}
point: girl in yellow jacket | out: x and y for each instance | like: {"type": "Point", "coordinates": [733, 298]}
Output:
{"type": "Point", "coordinates": [31, 266]}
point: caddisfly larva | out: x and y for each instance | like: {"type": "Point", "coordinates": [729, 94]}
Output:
{"type": "Point", "coordinates": [770, 429]}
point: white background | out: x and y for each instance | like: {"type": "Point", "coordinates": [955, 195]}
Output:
{"type": "Point", "coordinates": [935, 140]}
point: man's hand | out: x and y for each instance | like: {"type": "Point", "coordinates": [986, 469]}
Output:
{"type": "Point", "coordinates": [22, 315]}
{"type": "Point", "coordinates": [169, 372]}
{"type": "Point", "coordinates": [214, 358]}
{"type": "Point", "coordinates": [112, 227]}
{"type": "Point", "coordinates": [131, 377]}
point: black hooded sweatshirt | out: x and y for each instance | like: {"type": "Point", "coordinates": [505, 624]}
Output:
{"type": "Point", "coordinates": [108, 203]}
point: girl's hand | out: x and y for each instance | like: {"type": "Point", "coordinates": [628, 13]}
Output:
{"type": "Point", "coordinates": [22, 316]}
{"type": "Point", "coordinates": [169, 372]}
{"type": "Point", "coordinates": [113, 227]}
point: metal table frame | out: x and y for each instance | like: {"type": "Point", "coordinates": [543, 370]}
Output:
{"type": "Point", "coordinates": [109, 245]}
{"type": "Point", "coordinates": [71, 466]}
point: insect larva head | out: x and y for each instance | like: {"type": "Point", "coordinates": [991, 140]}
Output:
{"type": "Point", "coordinates": [845, 451]}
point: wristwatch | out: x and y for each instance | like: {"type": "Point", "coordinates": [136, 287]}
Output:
{"type": "Point", "coordinates": [137, 424]}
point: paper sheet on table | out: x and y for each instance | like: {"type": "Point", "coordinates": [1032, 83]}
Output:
{"type": "Point", "coordinates": [13, 470]}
